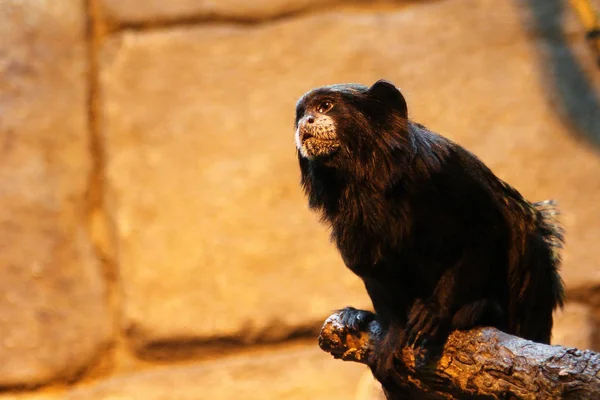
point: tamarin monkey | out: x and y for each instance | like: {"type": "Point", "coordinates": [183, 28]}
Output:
{"type": "Point", "coordinates": [440, 242]}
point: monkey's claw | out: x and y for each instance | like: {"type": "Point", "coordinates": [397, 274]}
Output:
{"type": "Point", "coordinates": [355, 320]}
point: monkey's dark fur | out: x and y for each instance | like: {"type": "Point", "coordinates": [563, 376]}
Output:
{"type": "Point", "coordinates": [440, 242]}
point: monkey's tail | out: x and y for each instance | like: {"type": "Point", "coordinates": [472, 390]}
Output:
{"type": "Point", "coordinates": [550, 228]}
{"type": "Point", "coordinates": [537, 288]}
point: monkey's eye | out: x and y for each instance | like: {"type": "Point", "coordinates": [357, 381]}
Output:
{"type": "Point", "coordinates": [325, 106]}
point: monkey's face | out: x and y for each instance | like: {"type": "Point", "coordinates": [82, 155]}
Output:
{"type": "Point", "coordinates": [315, 126]}
{"type": "Point", "coordinates": [341, 123]}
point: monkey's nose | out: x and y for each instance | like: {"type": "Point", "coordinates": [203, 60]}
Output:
{"type": "Point", "coordinates": [307, 120]}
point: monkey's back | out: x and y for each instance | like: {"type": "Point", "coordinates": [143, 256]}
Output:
{"type": "Point", "coordinates": [519, 241]}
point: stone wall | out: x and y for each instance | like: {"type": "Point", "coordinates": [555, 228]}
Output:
{"type": "Point", "coordinates": [154, 241]}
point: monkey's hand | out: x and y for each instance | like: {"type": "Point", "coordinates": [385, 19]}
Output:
{"type": "Point", "coordinates": [356, 320]}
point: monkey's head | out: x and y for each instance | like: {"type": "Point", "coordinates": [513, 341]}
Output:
{"type": "Point", "coordinates": [351, 127]}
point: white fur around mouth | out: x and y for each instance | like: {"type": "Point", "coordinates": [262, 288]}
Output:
{"type": "Point", "coordinates": [320, 147]}
{"type": "Point", "coordinates": [317, 140]}
{"type": "Point", "coordinates": [298, 141]}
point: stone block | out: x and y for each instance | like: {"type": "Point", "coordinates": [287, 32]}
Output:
{"type": "Point", "coordinates": [299, 372]}
{"type": "Point", "coordinates": [534, 16]}
{"type": "Point", "coordinates": [53, 313]}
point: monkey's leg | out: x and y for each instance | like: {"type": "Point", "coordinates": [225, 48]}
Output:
{"type": "Point", "coordinates": [482, 312]}
{"type": "Point", "coordinates": [458, 301]}
{"type": "Point", "coordinates": [429, 323]}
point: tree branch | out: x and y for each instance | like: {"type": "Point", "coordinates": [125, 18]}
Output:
{"type": "Point", "coordinates": [481, 363]}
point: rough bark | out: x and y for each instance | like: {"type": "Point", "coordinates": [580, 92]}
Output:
{"type": "Point", "coordinates": [482, 363]}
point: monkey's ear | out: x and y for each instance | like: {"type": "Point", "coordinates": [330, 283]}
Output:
{"type": "Point", "coordinates": [387, 93]}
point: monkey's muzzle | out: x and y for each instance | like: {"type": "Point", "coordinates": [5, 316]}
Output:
{"type": "Point", "coordinates": [316, 137]}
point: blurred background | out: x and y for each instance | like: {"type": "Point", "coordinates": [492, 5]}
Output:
{"type": "Point", "coordinates": [154, 240]}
